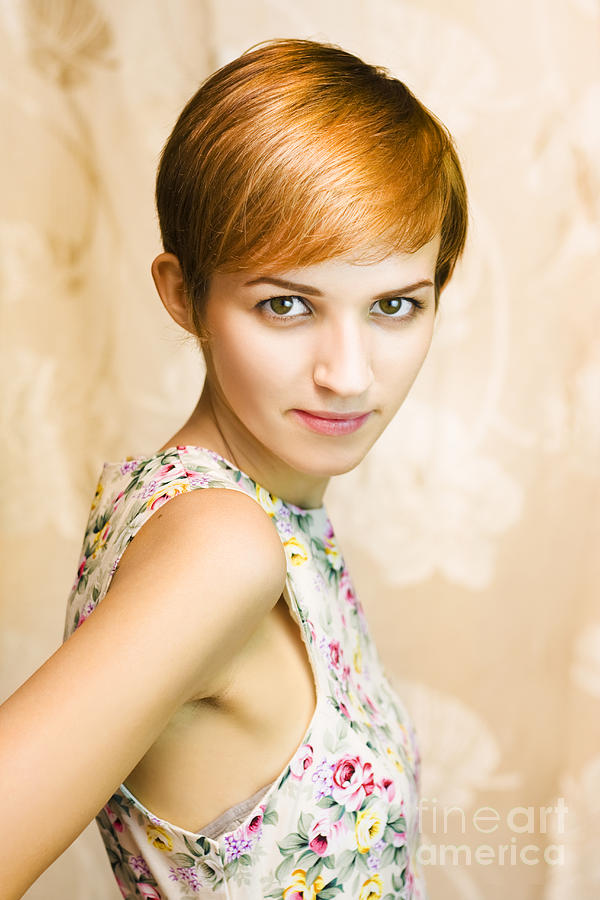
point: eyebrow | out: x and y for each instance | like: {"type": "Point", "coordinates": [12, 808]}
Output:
{"type": "Point", "coordinates": [307, 289]}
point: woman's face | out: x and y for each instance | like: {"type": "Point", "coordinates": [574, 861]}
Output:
{"type": "Point", "coordinates": [336, 339]}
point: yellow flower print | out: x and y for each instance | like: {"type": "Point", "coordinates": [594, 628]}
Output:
{"type": "Point", "coordinates": [296, 551]}
{"type": "Point", "coordinates": [298, 886]}
{"type": "Point", "coordinates": [394, 759]}
{"type": "Point", "coordinates": [407, 744]}
{"type": "Point", "coordinates": [97, 495]}
{"type": "Point", "coordinates": [358, 660]}
{"type": "Point", "coordinates": [100, 540]}
{"type": "Point", "coordinates": [332, 553]}
{"type": "Point", "coordinates": [166, 493]}
{"type": "Point", "coordinates": [359, 710]}
{"type": "Point", "coordinates": [368, 829]}
{"type": "Point", "coordinates": [159, 838]}
{"type": "Point", "coordinates": [371, 889]}
{"type": "Point", "coordinates": [267, 501]}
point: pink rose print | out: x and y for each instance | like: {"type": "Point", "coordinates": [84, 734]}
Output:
{"type": "Point", "coordinates": [375, 715]}
{"type": "Point", "coordinates": [318, 836]}
{"type": "Point", "coordinates": [146, 890]}
{"type": "Point", "coordinates": [325, 834]}
{"type": "Point", "coordinates": [117, 498]}
{"type": "Point", "coordinates": [302, 761]}
{"type": "Point", "coordinates": [80, 571]}
{"type": "Point", "coordinates": [352, 782]}
{"type": "Point", "coordinates": [334, 652]}
{"type": "Point", "coordinates": [164, 470]}
{"type": "Point", "coordinates": [399, 838]}
{"type": "Point", "coordinates": [254, 828]}
{"type": "Point", "coordinates": [346, 588]}
{"type": "Point", "coordinates": [341, 701]}
{"type": "Point", "coordinates": [387, 788]}
{"type": "Point", "coordinates": [114, 820]}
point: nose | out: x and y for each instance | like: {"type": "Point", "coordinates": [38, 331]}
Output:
{"type": "Point", "coordinates": [342, 363]}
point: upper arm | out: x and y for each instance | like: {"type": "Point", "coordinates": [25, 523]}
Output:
{"type": "Point", "coordinates": [205, 569]}
{"type": "Point", "coordinates": [191, 587]}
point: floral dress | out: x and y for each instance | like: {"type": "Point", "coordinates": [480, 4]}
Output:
{"type": "Point", "coordinates": [341, 819]}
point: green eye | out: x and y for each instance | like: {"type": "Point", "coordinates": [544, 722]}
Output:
{"type": "Point", "coordinates": [281, 305]}
{"type": "Point", "coordinates": [390, 306]}
{"type": "Point", "coordinates": [288, 306]}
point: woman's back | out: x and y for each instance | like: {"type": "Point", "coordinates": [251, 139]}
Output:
{"type": "Point", "coordinates": [341, 809]}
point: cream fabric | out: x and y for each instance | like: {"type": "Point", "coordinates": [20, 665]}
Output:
{"type": "Point", "coordinates": [473, 523]}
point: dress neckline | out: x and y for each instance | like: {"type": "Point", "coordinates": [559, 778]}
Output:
{"type": "Point", "coordinates": [176, 448]}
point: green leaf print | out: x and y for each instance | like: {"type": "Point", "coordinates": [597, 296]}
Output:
{"type": "Point", "coordinates": [138, 475]}
{"type": "Point", "coordinates": [398, 881]}
{"type": "Point", "coordinates": [183, 860]}
{"type": "Point", "coordinates": [313, 872]}
{"type": "Point", "coordinates": [398, 823]}
{"type": "Point", "coordinates": [285, 868]}
{"type": "Point", "coordinates": [330, 890]}
{"type": "Point", "coordinates": [292, 843]}
{"type": "Point", "coordinates": [304, 825]}
{"type": "Point", "coordinates": [271, 817]}
{"type": "Point", "coordinates": [346, 864]}
{"type": "Point", "coordinates": [306, 858]}
{"type": "Point", "coordinates": [388, 854]}
{"type": "Point", "coordinates": [198, 848]}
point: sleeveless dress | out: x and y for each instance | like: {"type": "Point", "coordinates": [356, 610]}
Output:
{"type": "Point", "coordinates": [341, 819]}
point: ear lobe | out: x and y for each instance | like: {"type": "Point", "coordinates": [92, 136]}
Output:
{"type": "Point", "coordinates": [168, 279]}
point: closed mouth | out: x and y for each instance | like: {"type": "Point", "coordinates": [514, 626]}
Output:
{"type": "Point", "coordinates": [334, 416]}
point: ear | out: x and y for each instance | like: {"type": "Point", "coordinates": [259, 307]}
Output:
{"type": "Point", "coordinates": [168, 278]}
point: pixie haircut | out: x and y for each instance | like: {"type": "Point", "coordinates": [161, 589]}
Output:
{"type": "Point", "coordinates": [297, 152]}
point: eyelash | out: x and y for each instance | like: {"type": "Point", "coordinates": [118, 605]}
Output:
{"type": "Point", "coordinates": [417, 306]}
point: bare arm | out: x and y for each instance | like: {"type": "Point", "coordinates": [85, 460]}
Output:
{"type": "Point", "coordinates": [191, 587]}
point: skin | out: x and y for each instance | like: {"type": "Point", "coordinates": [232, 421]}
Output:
{"type": "Point", "coordinates": [342, 352]}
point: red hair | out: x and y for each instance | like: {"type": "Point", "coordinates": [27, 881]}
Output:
{"type": "Point", "coordinates": [297, 152]}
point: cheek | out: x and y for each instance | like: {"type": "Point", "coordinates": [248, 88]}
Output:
{"type": "Point", "coordinates": [398, 363]}
{"type": "Point", "coordinates": [253, 368]}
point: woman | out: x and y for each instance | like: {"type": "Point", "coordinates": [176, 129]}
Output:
{"type": "Point", "coordinates": [218, 703]}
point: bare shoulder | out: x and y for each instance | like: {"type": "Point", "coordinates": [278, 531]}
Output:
{"type": "Point", "coordinates": [206, 521]}
{"type": "Point", "coordinates": [192, 587]}
{"type": "Point", "coordinates": [209, 564]}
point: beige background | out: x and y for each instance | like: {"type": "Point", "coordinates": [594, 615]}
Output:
{"type": "Point", "coordinates": [472, 527]}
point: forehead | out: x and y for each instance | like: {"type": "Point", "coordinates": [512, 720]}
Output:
{"type": "Point", "coordinates": [375, 262]}
{"type": "Point", "coordinates": [350, 269]}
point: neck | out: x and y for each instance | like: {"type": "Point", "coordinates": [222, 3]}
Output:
{"type": "Point", "coordinates": [213, 424]}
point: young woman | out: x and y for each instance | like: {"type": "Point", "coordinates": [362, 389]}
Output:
{"type": "Point", "coordinates": [218, 704]}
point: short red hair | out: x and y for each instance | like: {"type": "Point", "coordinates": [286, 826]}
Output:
{"type": "Point", "coordinates": [297, 152]}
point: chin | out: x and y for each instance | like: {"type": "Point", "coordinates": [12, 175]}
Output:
{"type": "Point", "coordinates": [324, 464]}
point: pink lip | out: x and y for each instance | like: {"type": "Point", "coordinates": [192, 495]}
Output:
{"type": "Point", "coordinates": [332, 423]}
